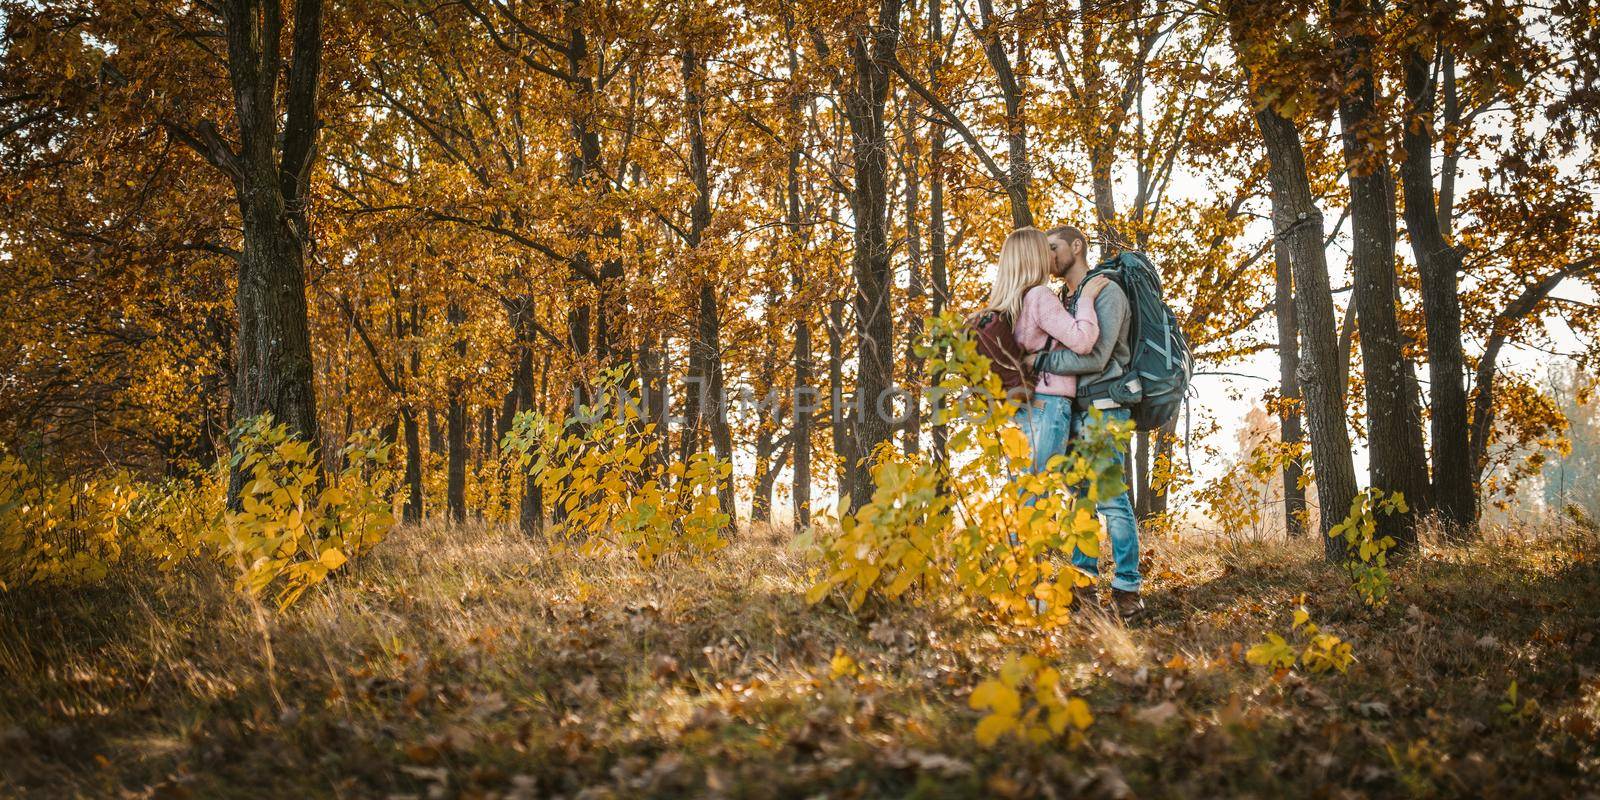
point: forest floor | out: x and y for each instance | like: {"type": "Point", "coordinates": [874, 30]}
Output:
{"type": "Point", "coordinates": [470, 662]}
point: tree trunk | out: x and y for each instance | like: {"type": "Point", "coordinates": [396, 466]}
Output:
{"type": "Point", "coordinates": [456, 424]}
{"type": "Point", "coordinates": [1298, 222]}
{"type": "Point", "coordinates": [412, 512]}
{"type": "Point", "coordinates": [841, 418]}
{"type": "Point", "coordinates": [938, 250]}
{"type": "Point", "coordinates": [765, 472]}
{"type": "Point", "coordinates": [1166, 441]}
{"type": "Point", "coordinates": [1438, 264]}
{"type": "Point", "coordinates": [864, 100]}
{"type": "Point", "coordinates": [530, 511]}
{"type": "Point", "coordinates": [652, 383]}
{"type": "Point", "coordinates": [911, 438]}
{"type": "Point", "coordinates": [803, 397]}
{"type": "Point", "coordinates": [1397, 459]}
{"type": "Point", "coordinates": [1289, 401]}
{"type": "Point", "coordinates": [713, 410]}
{"type": "Point", "coordinates": [271, 174]}
{"type": "Point", "coordinates": [1018, 169]}
{"type": "Point", "coordinates": [1139, 470]}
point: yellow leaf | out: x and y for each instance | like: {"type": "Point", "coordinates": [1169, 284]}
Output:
{"type": "Point", "coordinates": [1014, 442]}
{"type": "Point", "coordinates": [841, 665]}
{"type": "Point", "coordinates": [991, 728]}
{"type": "Point", "coordinates": [1078, 714]}
{"type": "Point", "coordinates": [997, 697]}
{"type": "Point", "coordinates": [332, 558]}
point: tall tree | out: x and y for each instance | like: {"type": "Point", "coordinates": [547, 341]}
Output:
{"type": "Point", "coordinates": [1398, 461]}
{"type": "Point", "coordinates": [1439, 264]}
{"type": "Point", "coordinates": [1297, 221]}
{"type": "Point", "coordinates": [1018, 174]}
{"type": "Point", "coordinates": [803, 397]}
{"type": "Point", "coordinates": [456, 419]}
{"type": "Point", "coordinates": [270, 169]}
{"type": "Point", "coordinates": [708, 399]}
{"type": "Point", "coordinates": [864, 86]}
{"type": "Point", "coordinates": [1289, 399]}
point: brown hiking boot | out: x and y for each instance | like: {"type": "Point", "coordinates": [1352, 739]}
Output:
{"type": "Point", "coordinates": [1086, 599]}
{"type": "Point", "coordinates": [1129, 606]}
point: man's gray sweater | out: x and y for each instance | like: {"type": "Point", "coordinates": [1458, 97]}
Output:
{"type": "Point", "coordinates": [1111, 354]}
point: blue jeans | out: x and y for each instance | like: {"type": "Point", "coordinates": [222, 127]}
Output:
{"type": "Point", "coordinates": [1048, 423]}
{"type": "Point", "coordinates": [1118, 514]}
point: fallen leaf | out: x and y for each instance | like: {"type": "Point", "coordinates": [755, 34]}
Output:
{"type": "Point", "coordinates": [1158, 714]}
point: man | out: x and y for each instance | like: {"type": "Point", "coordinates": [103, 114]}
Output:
{"type": "Point", "coordinates": [1109, 358]}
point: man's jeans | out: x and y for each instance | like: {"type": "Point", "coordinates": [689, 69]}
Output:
{"type": "Point", "coordinates": [1118, 514]}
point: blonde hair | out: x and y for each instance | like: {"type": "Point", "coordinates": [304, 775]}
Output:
{"type": "Point", "coordinates": [1024, 264]}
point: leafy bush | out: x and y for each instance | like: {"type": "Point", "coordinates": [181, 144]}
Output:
{"type": "Point", "coordinates": [1368, 563]}
{"type": "Point", "coordinates": [600, 471]}
{"type": "Point", "coordinates": [62, 532]}
{"type": "Point", "coordinates": [294, 526]}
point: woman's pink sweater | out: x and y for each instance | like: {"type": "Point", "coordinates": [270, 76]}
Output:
{"type": "Point", "coordinates": [1044, 318]}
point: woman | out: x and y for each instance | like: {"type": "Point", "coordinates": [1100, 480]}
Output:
{"type": "Point", "coordinates": [1040, 322]}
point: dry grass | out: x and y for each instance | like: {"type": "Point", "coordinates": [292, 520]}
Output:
{"type": "Point", "coordinates": [471, 662]}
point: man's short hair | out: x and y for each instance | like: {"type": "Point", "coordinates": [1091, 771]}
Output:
{"type": "Point", "coordinates": [1067, 233]}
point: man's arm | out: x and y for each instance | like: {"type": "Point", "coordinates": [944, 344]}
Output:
{"type": "Point", "coordinates": [1112, 309]}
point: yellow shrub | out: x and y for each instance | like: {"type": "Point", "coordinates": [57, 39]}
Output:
{"type": "Point", "coordinates": [598, 470]}
{"type": "Point", "coordinates": [1028, 701]}
{"type": "Point", "coordinates": [291, 531]}
{"type": "Point", "coordinates": [1368, 562]}
{"type": "Point", "coordinates": [1323, 651]}
{"type": "Point", "coordinates": [173, 515]}
{"type": "Point", "coordinates": [67, 532]}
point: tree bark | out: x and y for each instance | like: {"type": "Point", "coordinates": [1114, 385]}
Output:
{"type": "Point", "coordinates": [803, 395]}
{"type": "Point", "coordinates": [530, 510]}
{"type": "Point", "coordinates": [708, 340]}
{"type": "Point", "coordinates": [864, 98]}
{"type": "Point", "coordinates": [1398, 462]}
{"type": "Point", "coordinates": [412, 512]}
{"type": "Point", "coordinates": [1298, 222]}
{"type": "Point", "coordinates": [1289, 400]}
{"type": "Point", "coordinates": [912, 433]}
{"type": "Point", "coordinates": [938, 245]}
{"type": "Point", "coordinates": [1018, 169]}
{"type": "Point", "coordinates": [486, 437]}
{"type": "Point", "coordinates": [456, 424]}
{"type": "Point", "coordinates": [842, 420]}
{"type": "Point", "coordinates": [1140, 469]}
{"type": "Point", "coordinates": [271, 175]}
{"type": "Point", "coordinates": [1438, 264]}
{"type": "Point", "coordinates": [1166, 441]}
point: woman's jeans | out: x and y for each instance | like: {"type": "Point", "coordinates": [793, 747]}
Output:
{"type": "Point", "coordinates": [1050, 423]}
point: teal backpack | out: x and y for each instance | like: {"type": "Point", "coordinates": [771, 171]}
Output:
{"type": "Point", "coordinates": [1160, 366]}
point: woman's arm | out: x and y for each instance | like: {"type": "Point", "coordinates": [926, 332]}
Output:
{"type": "Point", "coordinates": [1075, 332]}
{"type": "Point", "coordinates": [1113, 315]}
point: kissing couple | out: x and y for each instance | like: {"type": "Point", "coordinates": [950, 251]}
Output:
{"type": "Point", "coordinates": [1105, 341]}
